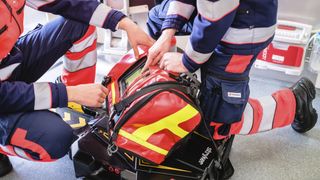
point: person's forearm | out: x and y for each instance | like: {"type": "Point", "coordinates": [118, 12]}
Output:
{"type": "Point", "coordinates": [125, 23]}
{"type": "Point", "coordinates": [20, 97]}
{"type": "Point", "coordinates": [71, 93]}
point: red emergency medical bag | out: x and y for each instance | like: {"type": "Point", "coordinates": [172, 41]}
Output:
{"type": "Point", "coordinates": [152, 113]}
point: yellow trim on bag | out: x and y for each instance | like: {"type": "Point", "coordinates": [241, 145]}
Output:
{"type": "Point", "coordinates": [142, 142]}
{"type": "Point", "coordinates": [82, 123]}
{"type": "Point", "coordinates": [113, 93]}
{"type": "Point", "coordinates": [75, 106]}
{"type": "Point", "coordinates": [66, 116]}
{"type": "Point", "coordinates": [170, 122]}
{"type": "Point", "coordinates": [129, 156]}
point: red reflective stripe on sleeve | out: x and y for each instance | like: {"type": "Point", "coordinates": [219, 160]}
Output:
{"type": "Point", "coordinates": [285, 109]}
{"type": "Point", "coordinates": [90, 31]}
{"type": "Point", "coordinates": [78, 55]}
{"type": "Point", "coordinates": [83, 76]}
{"type": "Point", "coordinates": [19, 139]}
{"type": "Point", "coordinates": [257, 115]}
{"type": "Point", "coordinates": [238, 63]}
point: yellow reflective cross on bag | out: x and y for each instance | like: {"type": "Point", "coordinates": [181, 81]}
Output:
{"type": "Point", "coordinates": [171, 123]}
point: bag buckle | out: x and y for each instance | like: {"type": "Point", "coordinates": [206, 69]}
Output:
{"type": "Point", "coordinates": [112, 148]}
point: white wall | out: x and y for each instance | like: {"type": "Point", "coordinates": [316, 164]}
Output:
{"type": "Point", "coordinates": [304, 11]}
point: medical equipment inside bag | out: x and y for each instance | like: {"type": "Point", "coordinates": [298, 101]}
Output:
{"type": "Point", "coordinates": [153, 112]}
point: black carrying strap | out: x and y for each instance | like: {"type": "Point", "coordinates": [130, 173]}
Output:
{"type": "Point", "coordinates": [119, 107]}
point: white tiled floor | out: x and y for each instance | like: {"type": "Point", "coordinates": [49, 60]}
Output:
{"type": "Point", "coordinates": [277, 155]}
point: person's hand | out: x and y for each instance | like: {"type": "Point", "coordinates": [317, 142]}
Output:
{"type": "Point", "coordinates": [136, 35]}
{"type": "Point", "coordinates": [159, 48]}
{"type": "Point", "coordinates": [92, 95]}
{"type": "Point", "coordinates": [172, 61]}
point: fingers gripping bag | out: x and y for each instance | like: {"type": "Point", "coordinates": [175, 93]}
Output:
{"type": "Point", "coordinates": [151, 114]}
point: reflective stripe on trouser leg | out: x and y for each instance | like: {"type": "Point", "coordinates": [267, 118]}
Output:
{"type": "Point", "coordinates": [264, 114]}
{"type": "Point", "coordinates": [15, 151]}
{"type": "Point", "coordinates": [7, 150]}
{"type": "Point", "coordinates": [80, 60]}
{"type": "Point", "coordinates": [19, 141]}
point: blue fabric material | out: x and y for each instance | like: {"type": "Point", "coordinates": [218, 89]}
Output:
{"type": "Point", "coordinates": [206, 35]}
{"type": "Point", "coordinates": [44, 128]}
{"type": "Point", "coordinates": [217, 105]}
{"type": "Point", "coordinates": [157, 16]}
{"type": "Point", "coordinates": [112, 20]}
{"type": "Point", "coordinates": [82, 11]}
{"type": "Point", "coordinates": [37, 51]}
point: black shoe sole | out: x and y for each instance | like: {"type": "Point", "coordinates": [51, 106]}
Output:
{"type": "Point", "coordinates": [311, 92]}
{"type": "Point", "coordinates": [300, 129]}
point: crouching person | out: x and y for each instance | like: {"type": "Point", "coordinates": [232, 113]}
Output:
{"type": "Point", "coordinates": [27, 128]}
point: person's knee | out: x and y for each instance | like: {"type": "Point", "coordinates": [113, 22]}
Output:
{"type": "Point", "coordinates": [59, 139]}
{"type": "Point", "coordinates": [77, 30]}
{"type": "Point", "coordinates": [44, 135]}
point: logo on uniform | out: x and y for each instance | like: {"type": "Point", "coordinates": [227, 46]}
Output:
{"type": "Point", "coordinates": [234, 94]}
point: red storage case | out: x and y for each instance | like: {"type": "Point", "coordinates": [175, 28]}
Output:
{"type": "Point", "coordinates": [283, 54]}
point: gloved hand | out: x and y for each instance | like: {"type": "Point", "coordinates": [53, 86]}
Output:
{"type": "Point", "coordinates": [159, 48]}
{"type": "Point", "coordinates": [136, 35]}
{"type": "Point", "coordinates": [172, 61]}
{"type": "Point", "coordinates": [91, 95]}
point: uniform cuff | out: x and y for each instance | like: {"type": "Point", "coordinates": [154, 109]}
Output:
{"type": "Point", "coordinates": [173, 22]}
{"type": "Point", "coordinates": [190, 64]}
{"type": "Point", "coordinates": [113, 19]}
{"type": "Point", "coordinates": [59, 95]}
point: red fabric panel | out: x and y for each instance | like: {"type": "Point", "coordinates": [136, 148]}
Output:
{"type": "Point", "coordinates": [238, 63]}
{"type": "Point", "coordinates": [236, 127]}
{"type": "Point", "coordinates": [216, 135]}
{"type": "Point", "coordinates": [90, 31]}
{"type": "Point", "coordinates": [83, 76]}
{"type": "Point", "coordinates": [19, 139]}
{"type": "Point", "coordinates": [285, 109]}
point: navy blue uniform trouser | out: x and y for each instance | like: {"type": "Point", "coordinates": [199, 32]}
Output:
{"type": "Point", "coordinates": [39, 135]}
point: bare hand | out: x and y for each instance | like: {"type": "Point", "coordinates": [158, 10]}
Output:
{"type": "Point", "coordinates": [159, 48]}
{"type": "Point", "coordinates": [92, 95]}
{"type": "Point", "coordinates": [136, 35]}
{"type": "Point", "coordinates": [172, 61]}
